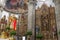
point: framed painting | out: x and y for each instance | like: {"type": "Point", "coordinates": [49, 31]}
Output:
{"type": "Point", "coordinates": [16, 5]}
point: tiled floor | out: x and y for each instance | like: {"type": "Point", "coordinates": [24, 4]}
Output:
{"type": "Point", "coordinates": [3, 39]}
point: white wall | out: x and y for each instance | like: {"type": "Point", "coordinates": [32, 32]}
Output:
{"type": "Point", "coordinates": [4, 13]}
{"type": "Point", "coordinates": [48, 2]}
{"type": "Point", "coordinates": [7, 14]}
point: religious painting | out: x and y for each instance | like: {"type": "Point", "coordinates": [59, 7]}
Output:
{"type": "Point", "coordinates": [12, 22]}
{"type": "Point", "coordinates": [16, 5]}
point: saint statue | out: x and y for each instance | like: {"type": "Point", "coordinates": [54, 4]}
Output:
{"type": "Point", "coordinates": [3, 22]}
{"type": "Point", "coordinates": [13, 22]}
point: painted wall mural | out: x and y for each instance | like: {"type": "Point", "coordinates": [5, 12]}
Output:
{"type": "Point", "coordinates": [15, 5]}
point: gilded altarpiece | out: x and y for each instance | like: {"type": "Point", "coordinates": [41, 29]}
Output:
{"type": "Point", "coordinates": [46, 22]}
{"type": "Point", "coordinates": [23, 24]}
{"type": "Point", "coordinates": [19, 7]}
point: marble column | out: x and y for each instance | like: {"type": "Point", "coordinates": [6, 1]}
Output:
{"type": "Point", "coordinates": [31, 18]}
{"type": "Point", "coordinates": [57, 11]}
{"type": "Point", "coordinates": [30, 10]}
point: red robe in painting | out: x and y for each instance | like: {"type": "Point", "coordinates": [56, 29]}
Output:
{"type": "Point", "coordinates": [14, 24]}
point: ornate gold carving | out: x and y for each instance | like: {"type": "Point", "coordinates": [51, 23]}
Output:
{"type": "Point", "coordinates": [45, 18]}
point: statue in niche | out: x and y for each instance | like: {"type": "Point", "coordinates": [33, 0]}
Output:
{"type": "Point", "coordinates": [37, 29]}
{"type": "Point", "coordinates": [54, 30]}
{"type": "Point", "coordinates": [3, 22]}
{"type": "Point", "coordinates": [13, 22]}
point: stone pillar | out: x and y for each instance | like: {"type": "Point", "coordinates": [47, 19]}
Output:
{"type": "Point", "coordinates": [18, 27]}
{"type": "Point", "coordinates": [31, 18]}
{"type": "Point", "coordinates": [33, 22]}
{"type": "Point", "coordinates": [30, 10]}
{"type": "Point", "coordinates": [57, 11]}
